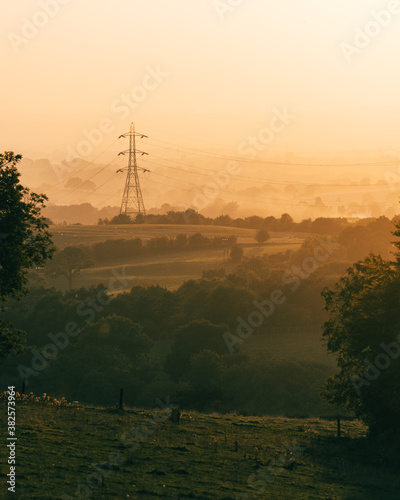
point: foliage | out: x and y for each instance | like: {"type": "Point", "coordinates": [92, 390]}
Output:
{"type": "Point", "coordinates": [110, 353]}
{"type": "Point", "coordinates": [121, 219]}
{"type": "Point", "coordinates": [24, 242]}
{"type": "Point", "coordinates": [69, 263]}
{"type": "Point", "coordinates": [191, 339]}
{"type": "Point", "coordinates": [94, 367]}
{"type": "Point", "coordinates": [122, 248]}
{"type": "Point", "coordinates": [262, 236]}
{"type": "Point", "coordinates": [362, 331]}
{"type": "Point", "coordinates": [321, 225]}
{"type": "Point", "coordinates": [375, 237]}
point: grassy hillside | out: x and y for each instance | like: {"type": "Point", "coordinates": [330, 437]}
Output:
{"type": "Point", "coordinates": [206, 457]}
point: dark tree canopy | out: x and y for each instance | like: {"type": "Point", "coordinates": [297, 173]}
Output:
{"type": "Point", "coordinates": [191, 339]}
{"type": "Point", "coordinates": [122, 219]}
{"type": "Point", "coordinates": [24, 241]}
{"type": "Point", "coordinates": [363, 332]}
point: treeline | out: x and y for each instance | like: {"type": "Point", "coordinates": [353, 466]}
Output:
{"type": "Point", "coordinates": [84, 213]}
{"type": "Point", "coordinates": [356, 240]}
{"type": "Point", "coordinates": [321, 225]}
{"type": "Point", "coordinates": [121, 248]}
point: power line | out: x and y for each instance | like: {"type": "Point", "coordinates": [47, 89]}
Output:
{"type": "Point", "coordinates": [270, 162]}
{"type": "Point", "coordinates": [76, 172]}
{"type": "Point", "coordinates": [79, 200]}
{"type": "Point", "coordinates": [258, 179]}
{"type": "Point", "coordinates": [91, 177]}
{"type": "Point", "coordinates": [249, 198]}
{"type": "Point", "coordinates": [132, 200]}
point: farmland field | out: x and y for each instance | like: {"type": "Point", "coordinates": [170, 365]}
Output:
{"type": "Point", "coordinates": [208, 456]}
{"type": "Point", "coordinates": [172, 269]}
{"type": "Point", "coordinates": [87, 235]}
{"type": "Point", "coordinates": [167, 270]}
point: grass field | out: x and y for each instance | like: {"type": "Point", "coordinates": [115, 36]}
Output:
{"type": "Point", "coordinates": [205, 457]}
{"type": "Point", "coordinates": [167, 270]}
{"type": "Point", "coordinates": [87, 235]}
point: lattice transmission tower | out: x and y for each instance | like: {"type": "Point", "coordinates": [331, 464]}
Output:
{"type": "Point", "coordinates": [132, 199]}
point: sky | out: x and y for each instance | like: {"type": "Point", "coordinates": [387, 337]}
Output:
{"type": "Point", "coordinates": [249, 79]}
{"type": "Point", "coordinates": [221, 68]}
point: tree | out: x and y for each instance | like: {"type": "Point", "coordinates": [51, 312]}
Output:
{"type": "Point", "coordinates": [262, 236]}
{"type": "Point", "coordinates": [285, 222]}
{"type": "Point", "coordinates": [198, 240]}
{"type": "Point", "coordinates": [73, 183]}
{"type": "Point", "coordinates": [363, 332]}
{"type": "Point", "coordinates": [181, 240]}
{"type": "Point", "coordinates": [205, 376]}
{"type": "Point", "coordinates": [109, 354]}
{"type": "Point", "coordinates": [205, 371]}
{"type": "Point", "coordinates": [140, 219]}
{"type": "Point", "coordinates": [190, 339]}
{"type": "Point", "coordinates": [69, 263]}
{"type": "Point", "coordinates": [121, 219]}
{"type": "Point", "coordinates": [24, 242]}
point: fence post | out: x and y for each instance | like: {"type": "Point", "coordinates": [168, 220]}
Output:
{"type": "Point", "coordinates": [121, 398]}
{"type": "Point", "coordinates": [23, 386]}
{"type": "Point", "coordinates": [338, 427]}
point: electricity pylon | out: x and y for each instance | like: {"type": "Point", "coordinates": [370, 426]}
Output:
{"type": "Point", "coordinates": [132, 199]}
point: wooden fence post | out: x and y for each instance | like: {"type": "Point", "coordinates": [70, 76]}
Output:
{"type": "Point", "coordinates": [338, 427]}
{"type": "Point", "coordinates": [121, 399]}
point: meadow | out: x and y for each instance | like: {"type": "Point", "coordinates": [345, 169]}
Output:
{"type": "Point", "coordinates": [167, 270]}
{"type": "Point", "coordinates": [76, 234]}
{"type": "Point", "coordinates": [63, 451]}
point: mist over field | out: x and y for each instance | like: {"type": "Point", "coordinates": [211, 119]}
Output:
{"type": "Point", "coordinates": [223, 184]}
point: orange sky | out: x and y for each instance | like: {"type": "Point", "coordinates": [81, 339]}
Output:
{"type": "Point", "coordinates": [220, 71]}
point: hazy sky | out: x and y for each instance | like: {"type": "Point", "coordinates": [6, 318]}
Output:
{"type": "Point", "coordinates": [201, 72]}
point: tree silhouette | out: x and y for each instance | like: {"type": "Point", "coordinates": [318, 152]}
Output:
{"type": "Point", "coordinates": [262, 236]}
{"type": "Point", "coordinates": [69, 263]}
{"type": "Point", "coordinates": [363, 332]}
{"type": "Point", "coordinates": [24, 242]}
